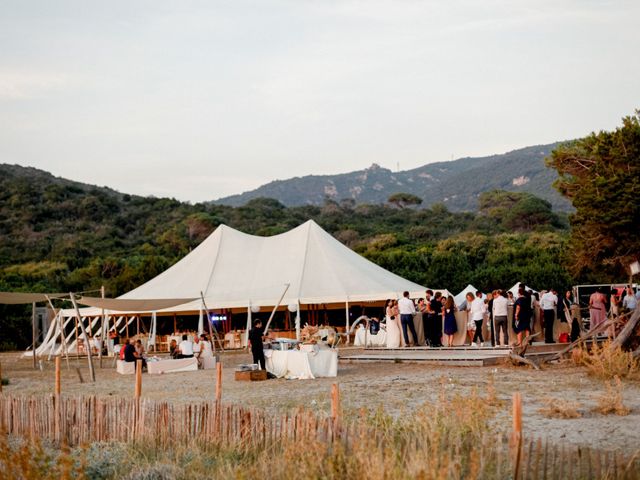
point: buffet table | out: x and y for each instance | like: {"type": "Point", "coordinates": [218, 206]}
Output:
{"type": "Point", "coordinates": [302, 365]}
{"type": "Point", "coordinates": [170, 366]}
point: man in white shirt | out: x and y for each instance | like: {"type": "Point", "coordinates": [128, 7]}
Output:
{"type": "Point", "coordinates": [477, 315]}
{"type": "Point", "coordinates": [500, 316]}
{"type": "Point", "coordinates": [407, 310]}
{"type": "Point", "coordinates": [548, 303]}
{"type": "Point", "coordinates": [185, 347]}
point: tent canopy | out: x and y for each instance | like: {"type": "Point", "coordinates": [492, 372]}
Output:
{"type": "Point", "coordinates": [233, 269]}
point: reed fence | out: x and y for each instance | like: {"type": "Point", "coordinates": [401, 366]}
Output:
{"type": "Point", "coordinates": [87, 419]}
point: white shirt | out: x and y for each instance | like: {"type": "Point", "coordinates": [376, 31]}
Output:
{"type": "Point", "coordinates": [186, 347]}
{"type": "Point", "coordinates": [630, 302]}
{"type": "Point", "coordinates": [477, 309]}
{"type": "Point", "coordinates": [500, 305]}
{"type": "Point", "coordinates": [406, 306]}
{"type": "Point", "coordinates": [548, 301]}
{"type": "Point", "coordinates": [197, 347]}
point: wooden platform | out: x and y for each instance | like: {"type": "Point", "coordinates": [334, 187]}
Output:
{"type": "Point", "coordinates": [455, 356]}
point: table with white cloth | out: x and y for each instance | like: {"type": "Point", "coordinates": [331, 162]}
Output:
{"type": "Point", "coordinates": [302, 365]}
{"type": "Point", "coordinates": [170, 366]}
{"type": "Point", "coordinates": [362, 336]}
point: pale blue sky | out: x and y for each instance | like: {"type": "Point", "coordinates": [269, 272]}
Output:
{"type": "Point", "coordinates": [198, 100]}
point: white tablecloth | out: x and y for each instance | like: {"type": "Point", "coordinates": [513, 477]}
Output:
{"type": "Point", "coordinates": [169, 366]}
{"type": "Point", "coordinates": [372, 340]}
{"type": "Point", "coordinates": [302, 365]}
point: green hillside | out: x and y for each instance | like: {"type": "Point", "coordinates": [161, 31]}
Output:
{"type": "Point", "coordinates": [59, 235]}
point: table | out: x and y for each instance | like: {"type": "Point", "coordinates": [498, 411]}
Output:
{"type": "Point", "coordinates": [170, 366]}
{"type": "Point", "coordinates": [378, 340]}
{"type": "Point", "coordinates": [302, 365]}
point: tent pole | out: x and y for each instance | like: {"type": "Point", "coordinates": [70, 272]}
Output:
{"type": "Point", "coordinates": [246, 333]}
{"type": "Point", "coordinates": [84, 333]}
{"type": "Point", "coordinates": [347, 315]}
{"type": "Point", "coordinates": [102, 340]}
{"type": "Point", "coordinates": [213, 332]}
{"type": "Point", "coordinates": [266, 329]}
{"type": "Point", "coordinates": [297, 320]}
{"type": "Point", "coordinates": [60, 329]}
{"type": "Point", "coordinates": [33, 332]}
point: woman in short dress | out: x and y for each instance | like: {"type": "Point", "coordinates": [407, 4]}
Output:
{"type": "Point", "coordinates": [393, 332]}
{"type": "Point", "coordinates": [449, 316]}
{"type": "Point", "coordinates": [471, 325]}
{"type": "Point", "coordinates": [522, 315]}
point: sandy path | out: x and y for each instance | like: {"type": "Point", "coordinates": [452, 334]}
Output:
{"type": "Point", "coordinates": [399, 388]}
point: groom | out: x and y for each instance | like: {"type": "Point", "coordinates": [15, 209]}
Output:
{"type": "Point", "coordinates": [407, 311]}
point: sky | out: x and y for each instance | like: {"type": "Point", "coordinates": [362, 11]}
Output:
{"type": "Point", "coordinates": [197, 100]}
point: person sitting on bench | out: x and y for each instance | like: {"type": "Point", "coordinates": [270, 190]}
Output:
{"type": "Point", "coordinates": [185, 348]}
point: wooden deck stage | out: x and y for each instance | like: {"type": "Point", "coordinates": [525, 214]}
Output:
{"type": "Point", "coordinates": [456, 356]}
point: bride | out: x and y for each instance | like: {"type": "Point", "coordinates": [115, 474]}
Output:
{"type": "Point", "coordinates": [393, 328]}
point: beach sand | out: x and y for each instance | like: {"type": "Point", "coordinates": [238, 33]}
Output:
{"type": "Point", "coordinates": [398, 388]}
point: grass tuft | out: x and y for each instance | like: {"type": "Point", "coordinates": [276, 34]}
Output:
{"type": "Point", "coordinates": [612, 401]}
{"type": "Point", "coordinates": [560, 408]}
{"type": "Point", "coordinates": [605, 361]}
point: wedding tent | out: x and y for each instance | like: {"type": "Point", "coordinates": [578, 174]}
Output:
{"type": "Point", "coordinates": [232, 269]}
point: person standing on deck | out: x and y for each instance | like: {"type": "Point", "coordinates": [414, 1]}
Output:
{"type": "Point", "coordinates": [407, 310]}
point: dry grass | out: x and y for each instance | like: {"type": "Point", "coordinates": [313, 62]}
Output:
{"type": "Point", "coordinates": [27, 460]}
{"type": "Point", "coordinates": [612, 401]}
{"type": "Point", "coordinates": [560, 408]}
{"type": "Point", "coordinates": [604, 361]}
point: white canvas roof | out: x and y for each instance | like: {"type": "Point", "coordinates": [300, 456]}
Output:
{"type": "Point", "coordinates": [514, 289]}
{"type": "Point", "coordinates": [234, 269]}
{"type": "Point", "coordinates": [461, 299]}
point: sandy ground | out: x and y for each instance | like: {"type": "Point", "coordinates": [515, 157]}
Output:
{"type": "Point", "coordinates": [398, 388]}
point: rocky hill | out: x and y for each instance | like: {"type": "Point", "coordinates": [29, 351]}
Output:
{"type": "Point", "coordinates": [456, 183]}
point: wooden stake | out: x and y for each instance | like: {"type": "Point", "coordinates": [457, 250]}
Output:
{"type": "Point", "coordinates": [335, 402]}
{"type": "Point", "coordinates": [138, 390]}
{"type": "Point", "coordinates": [516, 435]}
{"type": "Point", "coordinates": [218, 381]}
{"type": "Point", "coordinates": [0, 377]}
{"type": "Point", "coordinates": [57, 388]}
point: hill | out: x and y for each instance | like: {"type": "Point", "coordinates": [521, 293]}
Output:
{"type": "Point", "coordinates": [456, 183]}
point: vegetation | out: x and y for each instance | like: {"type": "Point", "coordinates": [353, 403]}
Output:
{"type": "Point", "coordinates": [58, 235]}
{"type": "Point", "coordinates": [600, 174]}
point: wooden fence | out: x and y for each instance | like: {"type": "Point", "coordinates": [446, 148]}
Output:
{"type": "Point", "coordinates": [87, 419]}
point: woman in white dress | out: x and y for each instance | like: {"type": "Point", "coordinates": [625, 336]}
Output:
{"type": "Point", "coordinates": [393, 329]}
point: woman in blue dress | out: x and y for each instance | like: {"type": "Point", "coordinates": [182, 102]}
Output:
{"type": "Point", "coordinates": [449, 315]}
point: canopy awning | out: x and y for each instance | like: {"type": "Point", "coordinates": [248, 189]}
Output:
{"type": "Point", "coordinates": [15, 298]}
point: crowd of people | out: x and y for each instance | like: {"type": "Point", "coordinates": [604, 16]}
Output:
{"type": "Point", "coordinates": [528, 311]}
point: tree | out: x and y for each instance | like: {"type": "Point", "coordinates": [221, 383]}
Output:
{"type": "Point", "coordinates": [402, 199]}
{"type": "Point", "coordinates": [600, 174]}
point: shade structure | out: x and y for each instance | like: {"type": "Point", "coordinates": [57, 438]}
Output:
{"type": "Point", "coordinates": [233, 269]}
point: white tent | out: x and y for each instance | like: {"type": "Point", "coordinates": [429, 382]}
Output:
{"type": "Point", "coordinates": [232, 269]}
{"type": "Point", "coordinates": [515, 288]}
{"type": "Point", "coordinates": [461, 298]}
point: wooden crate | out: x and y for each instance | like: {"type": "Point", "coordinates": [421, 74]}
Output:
{"type": "Point", "coordinates": [251, 375]}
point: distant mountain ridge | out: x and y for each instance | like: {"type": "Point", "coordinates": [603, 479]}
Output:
{"type": "Point", "coordinates": [456, 183]}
